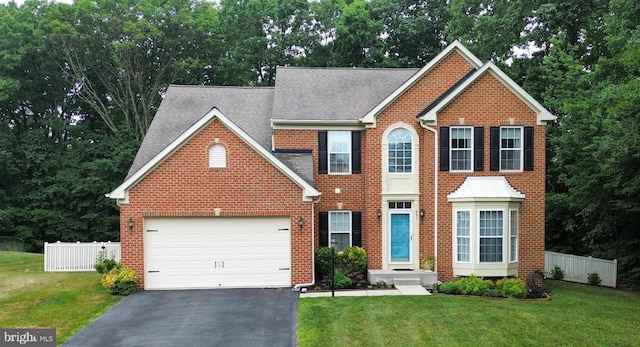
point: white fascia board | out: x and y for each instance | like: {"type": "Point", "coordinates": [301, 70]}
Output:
{"type": "Point", "coordinates": [370, 117]}
{"type": "Point", "coordinates": [316, 124]}
{"type": "Point", "coordinates": [121, 193]}
{"type": "Point", "coordinates": [543, 115]}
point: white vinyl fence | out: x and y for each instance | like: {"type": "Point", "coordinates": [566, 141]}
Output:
{"type": "Point", "coordinates": [69, 256]}
{"type": "Point", "coordinates": [577, 269]}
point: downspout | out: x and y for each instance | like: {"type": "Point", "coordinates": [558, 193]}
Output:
{"type": "Point", "coordinates": [435, 195]}
{"type": "Point", "coordinates": [298, 286]}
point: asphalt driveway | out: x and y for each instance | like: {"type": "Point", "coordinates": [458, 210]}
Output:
{"type": "Point", "coordinates": [216, 317]}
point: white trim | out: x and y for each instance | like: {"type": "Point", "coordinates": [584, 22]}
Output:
{"type": "Point", "coordinates": [315, 124]}
{"type": "Point", "coordinates": [370, 117]}
{"type": "Point", "coordinates": [122, 192]}
{"type": "Point", "coordinates": [544, 116]}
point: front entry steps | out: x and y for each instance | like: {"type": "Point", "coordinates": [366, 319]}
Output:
{"type": "Point", "coordinates": [424, 278]}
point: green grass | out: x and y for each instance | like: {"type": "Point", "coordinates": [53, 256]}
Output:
{"type": "Point", "coordinates": [577, 315]}
{"type": "Point", "coordinates": [32, 298]}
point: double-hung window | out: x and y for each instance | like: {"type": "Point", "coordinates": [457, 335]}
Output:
{"type": "Point", "coordinates": [463, 236]}
{"type": "Point", "coordinates": [513, 236]}
{"type": "Point", "coordinates": [491, 236]}
{"type": "Point", "coordinates": [339, 152]}
{"type": "Point", "coordinates": [511, 149]}
{"type": "Point", "coordinates": [339, 143]}
{"type": "Point", "coordinates": [400, 151]}
{"type": "Point", "coordinates": [340, 229]}
{"type": "Point", "coordinates": [461, 148]}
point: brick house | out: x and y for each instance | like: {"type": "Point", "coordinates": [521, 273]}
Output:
{"type": "Point", "coordinates": [237, 186]}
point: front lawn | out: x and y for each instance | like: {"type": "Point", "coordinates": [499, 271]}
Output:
{"type": "Point", "coordinates": [32, 298]}
{"type": "Point", "coordinates": [577, 315]}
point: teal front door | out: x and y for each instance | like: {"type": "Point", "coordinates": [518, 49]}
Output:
{"type": "Point", "coordinates": [400, 237]}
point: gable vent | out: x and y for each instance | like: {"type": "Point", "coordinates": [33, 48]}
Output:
{"type": "Point", "coordinates": [217, 156]}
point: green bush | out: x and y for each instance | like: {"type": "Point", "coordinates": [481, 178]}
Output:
{"type": "Point", "coordinates": [594, 279]}
{"type": "Point", "coordinates": [105, 264]}
{"type": "Point", "coordinates": [352, 263]}
{"type": "Point", "coordinates": [474, 285]}
{"type": "Point", "coordinates": [449, 288]}
{"type": "Point", "coordinates": [121, 281]}
{"type": "Point", "coordinates": [557, 273]}
{"type": "Point", "coordinates": [323, 261]}
{"type": "Point", "coordinates": [341, 280]}
{"type": "Point", "coordinates": [511, 288]}
{"type": "Point", "coordinates": [353, 259]}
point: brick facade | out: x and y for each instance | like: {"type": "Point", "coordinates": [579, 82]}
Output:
{"type": "Point", "coordinates": [184, 185]}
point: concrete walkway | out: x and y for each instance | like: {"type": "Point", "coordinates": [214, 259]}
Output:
{"type": "Point", "coordinates": [398, 290]}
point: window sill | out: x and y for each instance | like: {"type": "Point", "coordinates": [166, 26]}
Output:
{"type": "Point", "coordinates": [485, 270]}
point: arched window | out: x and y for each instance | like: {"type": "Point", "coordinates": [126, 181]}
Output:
{"type": "Point", "coordinates": [217, 156]}
{"type": "Point", "coordinates": [400, 151]}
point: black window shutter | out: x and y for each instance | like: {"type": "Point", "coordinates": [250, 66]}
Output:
{"type": "Point", "coordinates": [324, 229]}
{"type": "Point", "coordinates": [322, 152]}
{"type": "Point", "coordinates": [444, 148]}
{"type": "Point", "coordinates": [494, 161]}
{"type": "Point", "coordinates": [356, 229]}
{"type": "Point", "coordinates": [528, 148]}
{"type": "Point", "coordinates": [356, 152]}
{"type": "Point", "coordinates": [478, 149]}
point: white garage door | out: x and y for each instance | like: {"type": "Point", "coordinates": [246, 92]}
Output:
{"type": "Point", "coordinates": [182, 253]}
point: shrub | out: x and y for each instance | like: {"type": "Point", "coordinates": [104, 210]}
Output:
{"type": "Point", "coordinates": [594, 279]}
{"type": "Point", "coordinates": [340, 280]}
{"type": "Point", "coordinates": [511, 288]}
{"type": "Point", "coordinates": [474, 285]}
{"type": "Point", "coordinates": [381, 284]}
{"type": "Point", "coordinates": [449, 288]}
{"type": "Point", "coordinates": [103, 263]}
{"type": "Point", "coordinates": [323, 261]}
{"type": "Point", "coordinates": [351, 263]}
{"type": "Point", "coordinates": [353, 259]}
{"type": "Point", "coordinates": [358, 280]}
{"type": "Point", "coordinates": [121, 281]}
{"type": "Point", "coordinates": [557, 273]}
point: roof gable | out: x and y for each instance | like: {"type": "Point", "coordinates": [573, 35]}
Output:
{"type": "Point", "coordinates": [183, 106]}
{"type": "Point", "coordinates": [121, 192]}
{"type": "Point", "coordinates": [429, 115]}
{"type": "Point", "coordinates": [456, 46]}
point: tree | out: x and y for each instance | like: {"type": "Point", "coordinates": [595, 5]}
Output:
{"type": "Point", "coordinates": [121, 56]}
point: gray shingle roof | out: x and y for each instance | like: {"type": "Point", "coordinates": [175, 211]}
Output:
{"type": "Point", "coordinates": [333, 93]}
{"type": "Point", "coordinates": [248, 107]}
{"type": "Point", "coordinates": [299, 94]}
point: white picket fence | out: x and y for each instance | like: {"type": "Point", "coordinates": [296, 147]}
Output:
{"type": "Point", "coordinates": [577, 269]}
{"type": "Point", "coordinates": [79, 256]}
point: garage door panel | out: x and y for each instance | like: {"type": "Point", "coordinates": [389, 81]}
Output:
{"type": "Point", "coordinates": [217, 252]}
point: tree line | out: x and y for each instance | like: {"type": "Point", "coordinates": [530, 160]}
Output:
{"type": "Point", "coordinates": [80, 84]}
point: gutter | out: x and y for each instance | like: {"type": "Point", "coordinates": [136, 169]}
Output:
{"type": "Point", "coordinates": [435, 195]}
{"type": "Point", "coordinates": [299, 287]}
